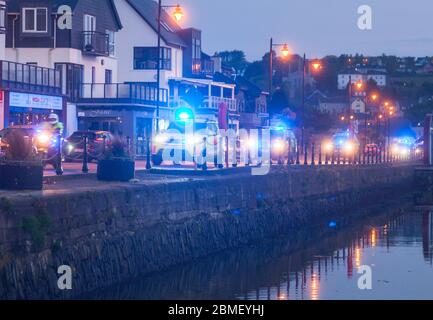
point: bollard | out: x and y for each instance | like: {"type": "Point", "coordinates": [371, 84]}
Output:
{"type": "Point", "coordinates": [338, 156]}
{"type": "Point", "coordinates": [128, 145]}
{"type": "Point", "coordinates": [289, 155]}
{"type": "Point", "coordinates": [204, 154]}
{"type": "Point", "coordinates": [313, 155]}
{"type": "Point", "coordinates": [215, 152]}
{"type": "Point", "coordinates": [305, 155]}
{"type": "Point", "coordinates": [377, 155]}
{"type": "Point", "coordinates": [85, 158]}
{"type": "Point", "coordinates": [298, 160]}
{"type": "Point", "coordinates": [360, 156]}
{"type": "Point", "coordinates": [148, 147]}
{"type": "Point", "coordinates": [104, 144]}
{"type": "Point", "coordinates": [59, 164]}
{"type": "Point", "coordinates": [368, 155]}
{"type": "Point", "coordinates": [320, 154]}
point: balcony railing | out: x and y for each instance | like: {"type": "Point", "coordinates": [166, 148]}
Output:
{"type": "Point", "coordinates": [31, 78]}
{"type": "Point", "coordinates": [212, 103]}
{"type": "Point", "coordinates": [95, 43]}
{"type": "Point", "coordinates": [215, 102]}
{"type": "Point", "coordinates": [128, 93]}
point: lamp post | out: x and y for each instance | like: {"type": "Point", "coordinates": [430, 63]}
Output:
{"type": "Point", "coordinates": [178, 15]}
{"type": "Point", "coordinates": [315, 66]}
{"type": "Point", "coordinates": [284, 51]}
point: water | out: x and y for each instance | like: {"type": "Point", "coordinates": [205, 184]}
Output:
{"type": "Point", "coordinates": [395, 239]}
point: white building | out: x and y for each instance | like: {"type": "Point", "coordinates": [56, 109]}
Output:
{"type": "Point", "coordinates": [355, 77]}
{"type": "Point", "coordinates": [137, 43]}
{"type": "Point", "coordinates": [84, 53]}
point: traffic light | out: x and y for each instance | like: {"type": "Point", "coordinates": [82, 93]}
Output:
{"type": "Point", "coordinates": [184, 114]}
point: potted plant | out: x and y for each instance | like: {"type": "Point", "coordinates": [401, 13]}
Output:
{"type": "Point", "coordinates": [116, 163]}
{"type": "Point", "coordinates": [21, 168]}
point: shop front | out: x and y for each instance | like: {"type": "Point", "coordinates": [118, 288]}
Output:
{"type": "Point", "coordinates": [18, 108]}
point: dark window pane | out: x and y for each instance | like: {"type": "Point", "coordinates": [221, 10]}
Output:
{"type": "Point", "coordinates": [41, 20]}
{"type": "Point", "coordinates": [29, 21]}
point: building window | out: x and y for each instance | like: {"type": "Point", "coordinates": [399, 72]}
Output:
{"type": "Point", "coordinates": [111, 35]}
{"type": "Point", "coordinates": [2, 18]}
{"type": "Point", "coordinates": [146, 58]}
{"type": "Point", "coordinates": [89, 28]}
{"type": "Point", "coordinates": [35, 20]}
{"type": "Point", "coordinates": [108, 76]}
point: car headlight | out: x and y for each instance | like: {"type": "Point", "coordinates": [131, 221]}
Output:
{"type": "Point", "coordinates": [328, 146]}
{"type": "Point", "coordinates": [404, 151]}
{"type": "Point", "coordinates": [43, 138]}
{"type": "Point", "coordinates": [160, 139]}
{"type": "Point", "coordinates": [252, 144]}
{"type": "Point", "coordinates": [349, 147]}
{"type": "Point", "coordinates": [278, 145]}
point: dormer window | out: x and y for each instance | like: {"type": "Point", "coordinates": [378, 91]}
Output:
{"type": "Point", "coordinates": [35, 20]}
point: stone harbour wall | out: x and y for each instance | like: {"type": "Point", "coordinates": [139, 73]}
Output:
{"type": "Point", "coordinates": [109, 236]}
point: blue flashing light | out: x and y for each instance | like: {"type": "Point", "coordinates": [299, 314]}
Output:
{"type": "Point", "coordinates": [184, 114]}
{"type": "Point", "coordinates": [332, 224]}
{"type": "Point", "coordinates": [236, 212]}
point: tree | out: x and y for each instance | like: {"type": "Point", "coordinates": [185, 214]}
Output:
{"type": "Point", "coordinates": [417, 113]}
{"type": "Point", "coordinates": [235, 59]}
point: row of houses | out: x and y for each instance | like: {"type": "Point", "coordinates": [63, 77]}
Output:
{"type": "Point", "coordinates": [94, 63]}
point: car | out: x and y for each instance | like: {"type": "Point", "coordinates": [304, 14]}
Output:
{"type": "Point", "coordinates": [344, 144]}
{"type": "Point", "coordinates": [178, 141]}
{"type": "Point", "coordinates": [372, 149]}
{"type": "Point", "coordinates": [73, 146]}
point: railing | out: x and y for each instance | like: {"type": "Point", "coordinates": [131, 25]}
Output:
{"type": "Point", "coordinates": [215, 102]}
{"type": "Point", "coordinates": [122, 92]}
{"type": "Point", "coordinates": [95, 43]}
{"type": "Point", "coordinates": [212, 103]}
{"type": "Point", "coordinates": [18, 76]}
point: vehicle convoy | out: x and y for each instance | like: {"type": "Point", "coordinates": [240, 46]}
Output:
{"type": "Point", "coordinates": [178, 141]}
{"type": "Point", "coordinates": [283, 144]}
{"type": "Point", "coordinates": [97, 141]}
{"type": "Point", "coordinates": [44, 142]}
{"type": "Point", "coordinates": [402, 146]}
{"type": "Point", "coordinates": [345, 144]}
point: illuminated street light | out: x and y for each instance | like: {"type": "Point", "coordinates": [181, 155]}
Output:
{"type": "Point", "coordinates": [178, 13]}
{"type": "Point", "coordinates": [359, 85]}
{"type": "Point", "coordinates": [316, 65]}
{"type": "Point", "coordinates": [285, 51]}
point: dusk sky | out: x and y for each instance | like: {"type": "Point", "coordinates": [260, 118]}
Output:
{"type": "Point", "coordinates": [319, 28]}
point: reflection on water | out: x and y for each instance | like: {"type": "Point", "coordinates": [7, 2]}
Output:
{"type": "Point", "coordinates": [395, 240]}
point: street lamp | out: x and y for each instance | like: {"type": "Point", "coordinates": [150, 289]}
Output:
{"type": "Point", "coordinates": [285, 51]}
{"type": "Point", "coordinates": [178, 15]}
{"type": "Point", "coordinates": [316, 66]}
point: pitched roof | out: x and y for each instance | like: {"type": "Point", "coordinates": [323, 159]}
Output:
{"type": "Point", "coordinates": [148, 10]}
